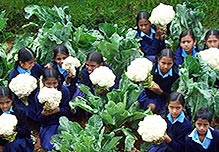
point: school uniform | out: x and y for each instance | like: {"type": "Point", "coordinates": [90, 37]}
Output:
{"type": "Point", "coordinates": [150, 46]}
{"type": "Point", "coordinates": [22, 142]}
{"type": "Point", "coordinates": [85, 79]}
{"type": "Point", "coordinates": [49, 124]}
{"type": "Point", "coordinates": [210, 143]}
{"type": "Point", "coordinates": [165, 82]}
{"type": "Point", "coordinates": [36, 72]}
{"type": "Point", "coordinates": [180, 54]}
{"type": "Point", "coordinates": [176, 130]}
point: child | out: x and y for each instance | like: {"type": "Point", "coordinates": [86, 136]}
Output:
{"type": "Point", "coordinates": [152, 39]}
{"type": "Point", "coordinates": [26, 64]}
{"type": "Point", "coordinates": [165, 73]}
{"type": "Point", "coordinates": [50, 119]}
{"type": "Point", "coordinates": [22, 141]}
{"type": "Point", "coordinates": [59, 54]}
{"type": "Point", "coordinates": [212, 39]}
{"type": "Point", "coordinates": [203, 138]}
{"type": "Point", "coordinates": [177, 126]}
{"type": "Point", "coordinates": [187, 46]}
{"type": "Point", "coordinates": [93, 61]}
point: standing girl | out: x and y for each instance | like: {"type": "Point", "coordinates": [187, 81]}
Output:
{"type": "Point", "coordinates": [177, 126]}
{"type": "Point", "coordinates": [22, 140]}
{"type": "Point", "coordinates": [187, 46]}
{"type": "Point", "coordinates": [60, 53]}
{"type": "Point", "coordinates": [26, 64]}
{"type": "Point", "coordinates": [165, 73]}
{"type": "Point", "coordinates": [203, 138]}
{"type": "Point", "coordinates": [93, 61]}
{"type": "Point", "coordinates": [152, 39]}
{"type": "Point", "coordinates": [50, 119]}
{"type": "Point", "coordinates": [212, 39]}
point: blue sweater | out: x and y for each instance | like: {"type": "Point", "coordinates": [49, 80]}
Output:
{"type": "Point", "coordinates": [151, 46]}
{"type": "Point", "coordinates": [192, 146]}
{"type": "Point", "coordinates": [177, 133]}
{"type": "Point", "coordinates": [64, 109]}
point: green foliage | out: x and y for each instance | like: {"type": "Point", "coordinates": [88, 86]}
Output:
{"type": "Point", "coordinates": [117, 110]}
{"type": "Point", "coordinates": [188, 16]}
{"type": "Point", "coordinates": [196, 82]}
{"type": "Point", "coordinates": [92, 138]}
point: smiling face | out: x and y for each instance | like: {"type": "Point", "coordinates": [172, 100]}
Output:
{"type": "Point", "coordinates": [175, 108]}
{"type": "Point", "coordinates": [145, 26]}
{"type": "Point", "coordinates": [5, 103]}
{"type": "Point", "coordinates": [59, 58]}
{"type": "Point", "coordinates": [91, 66]}
{"type": "Point", "coordinates": [202, 126]}
{"type": "Point", "coordinates": [165, 63]}
{"type": "Point", "coordinates": [212, 42]}
{"type": "Point", "coordinates": [187, 43]}
{"type": "Point", "coordinates": [28, 65]}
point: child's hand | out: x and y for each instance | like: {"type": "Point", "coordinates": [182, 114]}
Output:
{"type": "Point", "coordinates": [156, 89]}
{"type": "Point", "coordinates": [160, 34]}
{"type": "Point", "coordinates": [69, 77]}
{"type": "Point", "coordinates": [50, 112]}
{"type": "Point", "coordinates": [48, 65]}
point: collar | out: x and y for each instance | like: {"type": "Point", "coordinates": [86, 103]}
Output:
{"type": "Point", "coordinates": [62, 71]}
{"type": "Point", "coordinates": [180, 118]}
{"type": "Point", "coordinates": [205, 144]}
{"type": "Point", "coordinates": [184, 54]}
{"type": "Point", "coordinates": [169, 73]}
{"type": "Point", "coordinates": [9, 111]}
{"type": "Point", "coordinates": [149, 36]}
{"type": "Point", "coordinates": [22, 71]}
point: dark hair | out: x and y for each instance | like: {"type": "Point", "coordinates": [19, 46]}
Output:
{"type": "Point", "coordinates": [142, 15]}
{"type": "Point", "coordinates": [176, 96]}
{"type": "Point", "coordinates": [209, 33]}
{"type": "Point", "coordinates": [95, 57]}
{"type": "Point", "coordinates": [203, 113]}
{"type": "Point", "coordinates": [6, 92]}
{"type": "Point", "coordinates": [60, 49]}
{"type": "Point", "coordinates": [51, 73]}
{"type": "Point", "coordinates": [185, 33]}
{"type": "Point", "coordinates": [166, 53]}
{"type": "Point", "coordinates": [24, 54]}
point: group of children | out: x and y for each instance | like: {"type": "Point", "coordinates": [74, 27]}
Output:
{"type": "Point", "coordinates": [179, 135]}
{"type": "Point", "coordinates": [160, 98]}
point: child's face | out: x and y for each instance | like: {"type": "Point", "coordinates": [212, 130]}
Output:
{"type": "Point", "coordinates": [212, 42]}
{"type": "Point", "coordinates": [5, 103]}
{"type": "Point", "coordinates": [187, 43]}
{"type": "Point", "coordinates": [59, 58]}
{"type": "Point", "coordinates": [165, 63]}
{"type": "Point", "coordinates": [91, 66]}
{"type": "Point", "coordinates": [202, 126]}
{"type": "Point", "coordinates": [28, 65]}
{"type": "Point", "coordinates": [175, 108]}
{"type": "Point", "coordinates": [51, 83]}
{"type": "Point", "coordinates": [144, 25]}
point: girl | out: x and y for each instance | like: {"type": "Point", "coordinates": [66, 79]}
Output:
{"type": "Point", "coordinates": [203, 138]}
{"type": "Point", "coordinates": [186, 47]}
{"type": "Point", "coordinates": [93, 61]}
{"type": "Point", "coordinates": [177, 126]}
{"type": "Point", "coordinates": [26, 64]}
{"type": "Point", "coordinates": [212, 39]}
{"type": "Point", "coordinates": [22, 141]}
{"type": "Point", "coordinates": [50, 119]}
{"type": "Point", "coordinates": [165, 73]}
{"type": "Point", "coordinates": [152, 41]}
{"type": "Point", "coordinates": [59, 54]}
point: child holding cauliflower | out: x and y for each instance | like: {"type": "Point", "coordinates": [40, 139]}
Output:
{"type": "Point", "coordinates": [164, 73]}
{"type": "Point", "coordinates": [178, 126]}
{"type": "Point", "coordinates": [53, 102]}
{"type": "Point", "coordinates": [14, 129]}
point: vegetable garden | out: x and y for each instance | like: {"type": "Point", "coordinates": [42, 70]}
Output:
{"type": "Point", "coordinates": [115, 116]}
